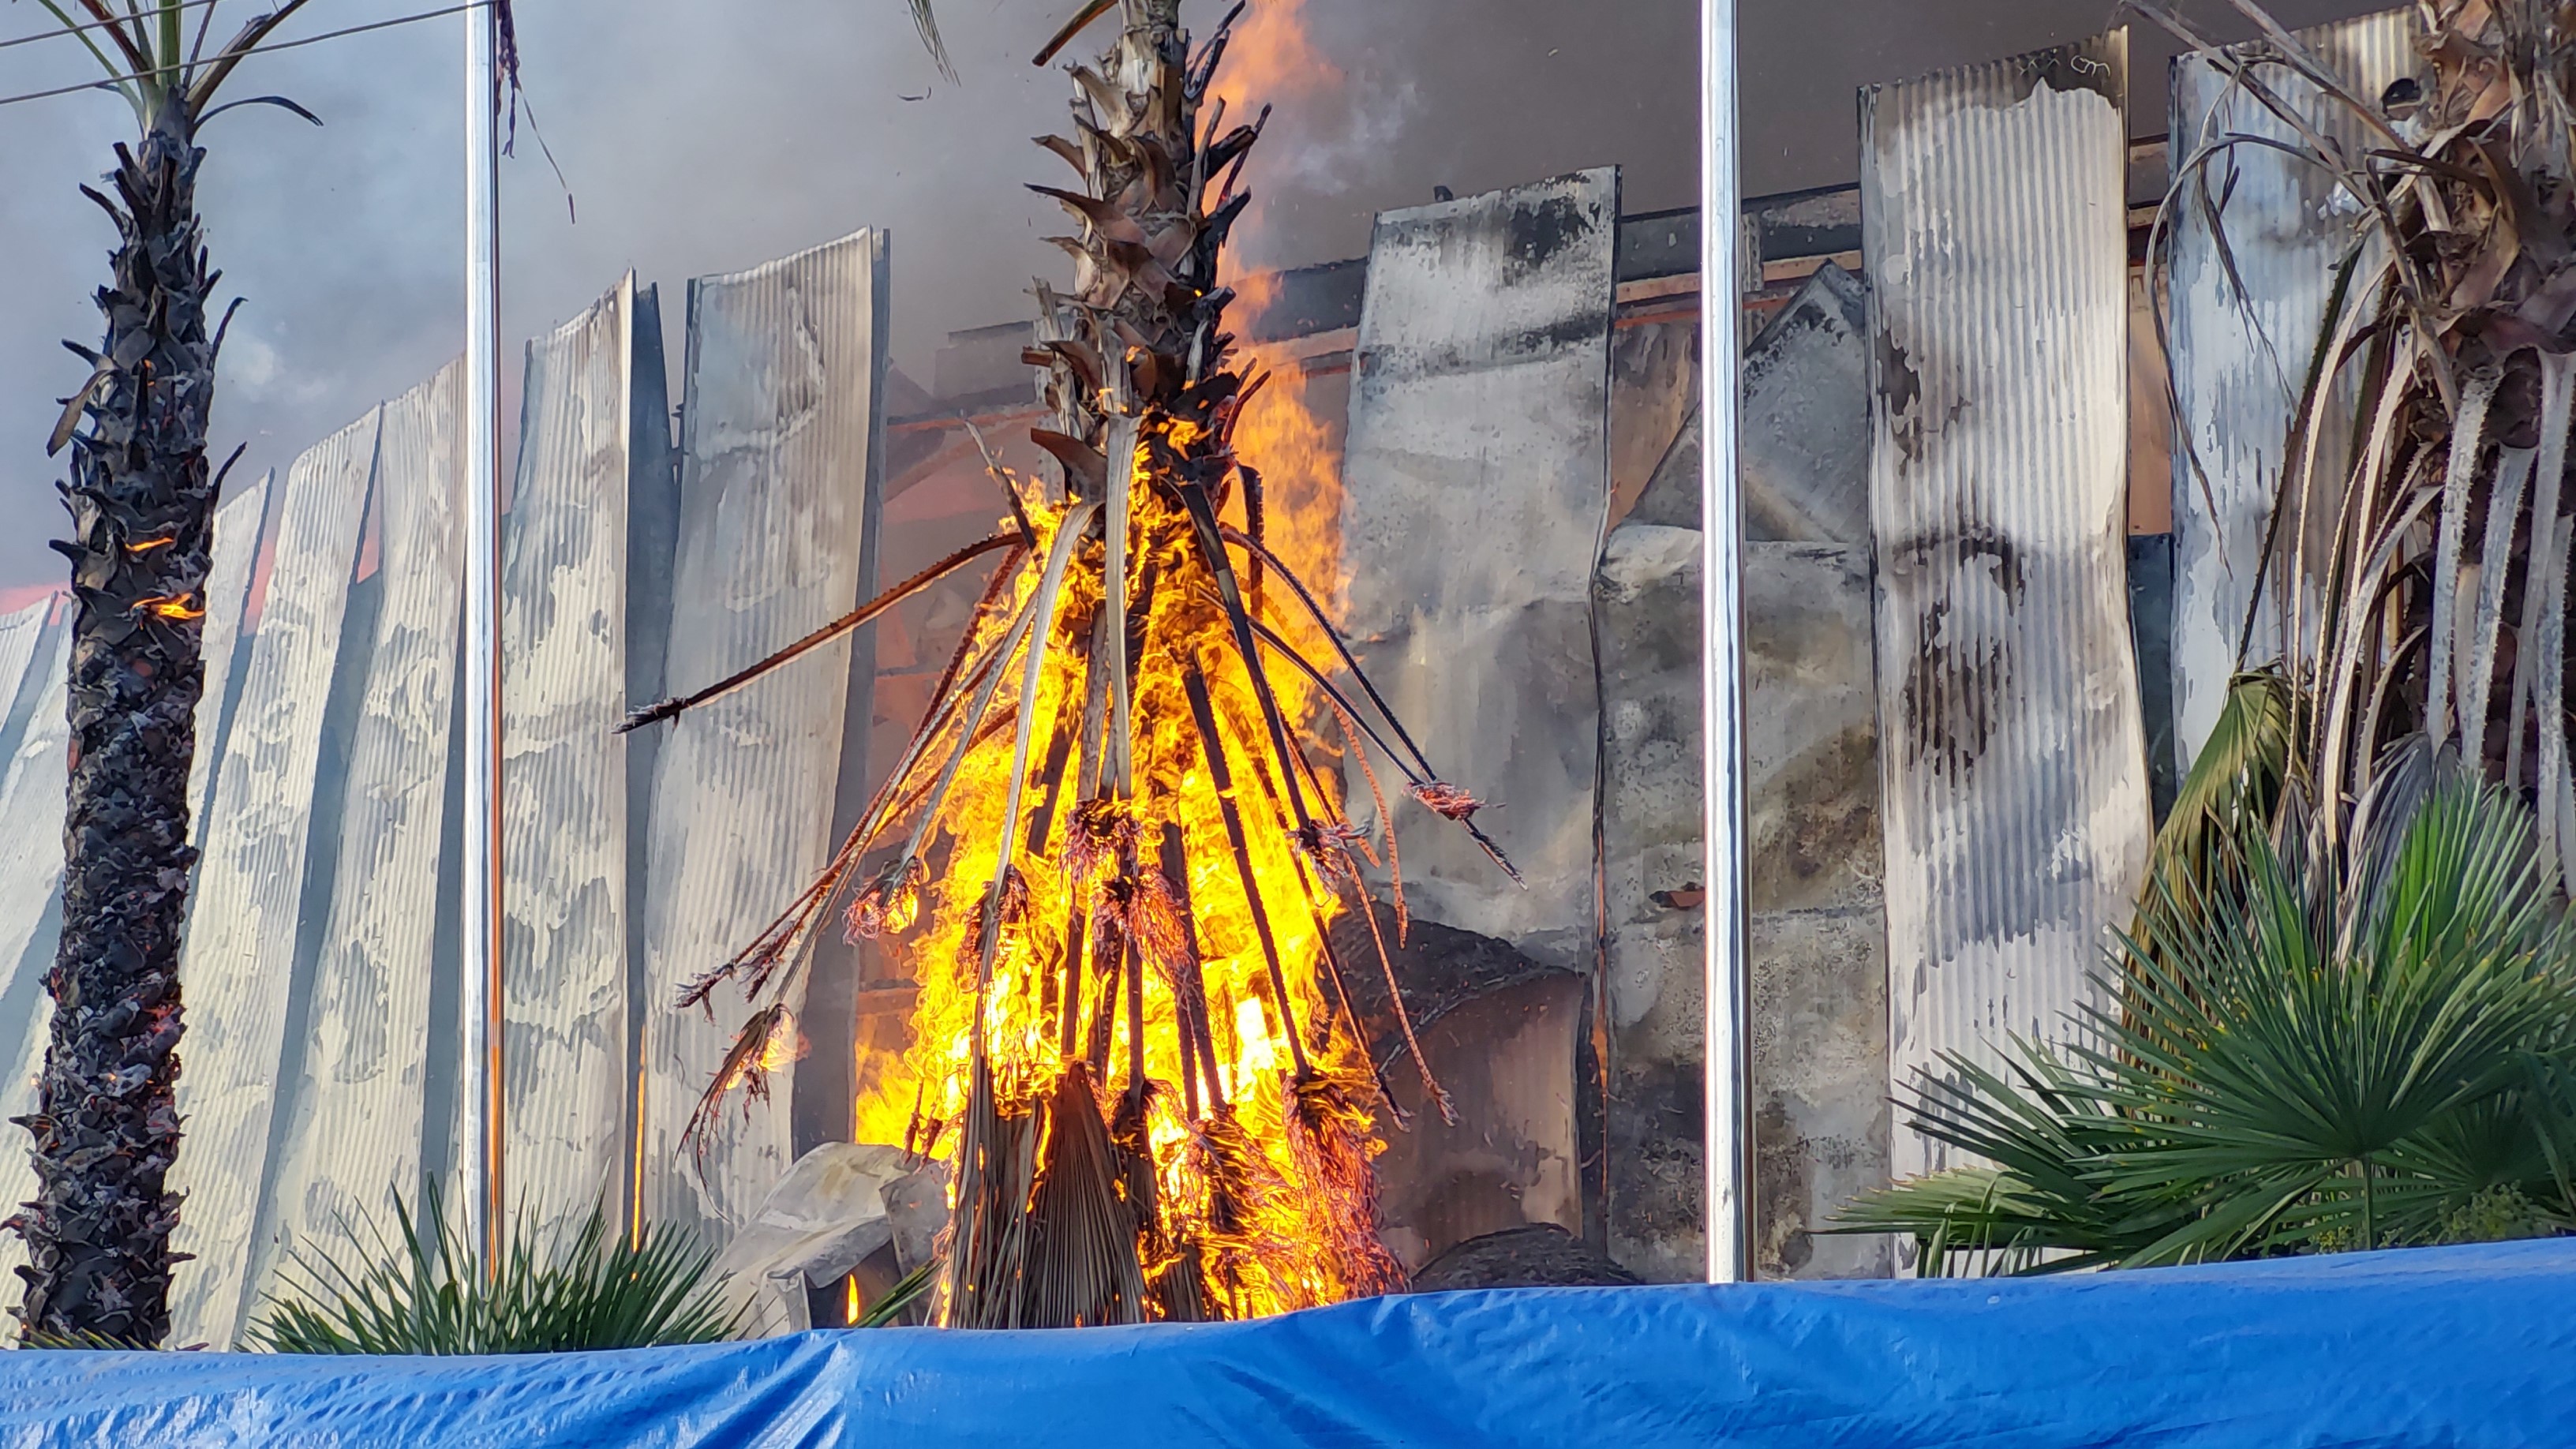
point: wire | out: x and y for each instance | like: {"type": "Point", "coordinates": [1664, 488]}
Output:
{"type": "Point", "coordinates": [62, 30]}
{"type": "Point", "coordinates": [105, 82]}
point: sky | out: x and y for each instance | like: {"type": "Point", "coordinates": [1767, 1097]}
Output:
{"type": "Point", "coordinates": [691, 141]}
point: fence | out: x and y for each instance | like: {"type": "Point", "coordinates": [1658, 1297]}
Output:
{"type": "Point", "coordinates": [1951, 734]}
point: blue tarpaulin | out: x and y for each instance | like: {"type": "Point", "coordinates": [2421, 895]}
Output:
{"type": "Point", "coordinates": [2441, 1347]}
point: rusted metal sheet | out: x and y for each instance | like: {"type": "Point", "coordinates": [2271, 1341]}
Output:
{"type": "Point", "coordinates": [785, 364]}
{"type": "Point", "coordinates": [2240, 358]}
{"type": "Point", "coordinates": [353, 1126]}
{"type": "Point", "coordinates": [31, 875]}
{"type": "Point", "coordinates": [239, 521]}
{"type": "Point", "coordinates": [564, 851]}
{"type": "Point", "coordinates": [2014, 796]}
{"type": "Point", "coordinates": [1477, 479]}
{"type": "Point", "coordinates": [242, 925]}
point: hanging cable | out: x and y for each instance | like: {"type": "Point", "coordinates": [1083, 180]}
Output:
{"type": "Point", "coordinates": [59, 31]}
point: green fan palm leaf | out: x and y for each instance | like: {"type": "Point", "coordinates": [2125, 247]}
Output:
{"type": "Point", "coordinates": [424, 1289]}
{"type": "Point", "coordinates": [2292, 1066]}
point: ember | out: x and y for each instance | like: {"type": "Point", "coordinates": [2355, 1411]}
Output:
{"type": "Point", "coordinates": [1133, 1037]}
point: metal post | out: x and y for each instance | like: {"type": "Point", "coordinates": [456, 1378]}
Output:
{"type": "Point", "coordinates": [1729, 1141]}
{"type": "Point", "coordinates": [479, 1001]}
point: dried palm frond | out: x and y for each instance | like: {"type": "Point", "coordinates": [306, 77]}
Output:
{"type": "Point", "coordinates": [2431, 601]}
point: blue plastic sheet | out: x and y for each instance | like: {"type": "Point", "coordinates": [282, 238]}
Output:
{"type": "Point", "coordinates": [2447, 1347]}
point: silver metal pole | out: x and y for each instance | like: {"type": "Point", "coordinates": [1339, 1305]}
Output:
{"type": "Point", "coordinates": [480, 1000]}
{"type": "Point", "coordinates": [1729, 1141]}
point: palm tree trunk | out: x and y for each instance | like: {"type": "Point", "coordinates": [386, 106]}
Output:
{"type": "Point", "coordinates": [142, 505]}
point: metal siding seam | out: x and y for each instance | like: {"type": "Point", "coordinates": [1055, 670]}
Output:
{"type": "Point", "coordinates": [563, 642]}
{"type": "Point", "coordinates": [239, 523]}
{"type": "Point", "coordinates": [239, 959]}
{"type": "Point", "coordinates": [2238, 365]}
{"type": "Point", "coordinates": [2012, 759]}
{"type": "Point", "coordinates": [355, 1129]}
{"type": "Point", "coordinates": [773, 517]}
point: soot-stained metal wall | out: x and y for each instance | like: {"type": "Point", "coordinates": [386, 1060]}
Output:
{"type": "Point", "coordinates": [778, 496]}
{"type": "Point", "coordinates": [2015, 807]}
{"type": "Point", "coordinates": [1476, 483]}
{"type": "Point", "coordinates": [2257, 237]}
{"type": "Point", "coordinates": [1819, 939]}
{"type": "Point", "coordinates": [580, 620]}
{"type": "Point", "coordinates": [244, 925]}
{"type": "Point", "coordinates": [326, 1065]}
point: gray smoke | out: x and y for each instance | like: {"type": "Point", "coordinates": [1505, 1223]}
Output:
{"type": "Point", "coordinates": [707, 135]}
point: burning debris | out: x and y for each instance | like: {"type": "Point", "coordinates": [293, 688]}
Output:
{"type": "Point", "coordinates": [1113, 863]}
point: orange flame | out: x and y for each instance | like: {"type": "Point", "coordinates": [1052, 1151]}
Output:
{"type": "Point", "coordinates": [170, 606]}
{"type": "Point", "coordinates": [1271, 60]}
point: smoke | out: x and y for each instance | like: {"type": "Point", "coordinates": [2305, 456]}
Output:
{"type": "Point", "coordinates": [706, 135]}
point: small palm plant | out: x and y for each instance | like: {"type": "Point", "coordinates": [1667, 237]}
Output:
{"type": "Point", "coordinates": [2317, 1051]}
{"type": "Point", "coordinates": [424, 1290]}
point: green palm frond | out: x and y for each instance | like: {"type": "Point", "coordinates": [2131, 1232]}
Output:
{"type": "Point", "coordinates": [146, 54]}
{"type": "Point", "coordinates": [2296, 1064]}
{"type": "Point", "coordinates": [2237, 786]}
{"type": "Point", "coordinates": [908, 1290]}
{"type": "Point", "coordinates": [424, 1289]}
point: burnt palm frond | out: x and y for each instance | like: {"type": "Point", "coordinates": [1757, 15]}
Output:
{"type": "Point", "coordinates": [1091, 10]}
{"type": "Point", "coordinates": [858, 618]}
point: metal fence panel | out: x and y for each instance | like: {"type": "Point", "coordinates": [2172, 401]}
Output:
{"type": "Point", "coordinates": [2014, 801]}
{"type": "Point", "coordinates": [2240, 358]}
{"type": "Point", "coordinates": [564, 851]}
{"type": "Point", "coordinates": [354, 1129]}
{"type": "Point", "coordinates": [783, 366]}
{"type": "Point", "coordinates": [242, 926]}
{"type": "Point", "coordinates": [1477, 475]}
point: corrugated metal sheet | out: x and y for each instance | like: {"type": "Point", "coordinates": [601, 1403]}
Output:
{"type": "Point", "coordinates": [31, 876]}
{"type": "Point", "coordinates": [239, 962]}
{"type": "Point", "coordinates": [783, 367]}
{"type": "Point", "coordinates": [2240, 360]}
{"type": "Point", "coordinates": [238, 525]}
{"type": "Point", "coordinates": [2014, 774]}
{"type": "Point", "coordinates": [564, 853]}
{"type": "Point", "coordinates": [1477, 475]}
{"type": "Point", "coordinates": [355, 1125]}
{"type": "Point", "coordinates": [20, 633]}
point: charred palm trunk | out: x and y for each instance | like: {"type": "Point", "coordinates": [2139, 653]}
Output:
{"type": "Point", "coordinates": [141, 504]}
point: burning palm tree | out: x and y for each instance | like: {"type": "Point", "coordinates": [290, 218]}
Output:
{"type": "Point", "coordinates": [1114, 860]}
{"type": "Point", "coordinates": [142, 503]}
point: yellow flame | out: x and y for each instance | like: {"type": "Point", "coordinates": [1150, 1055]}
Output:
{"type": "Point", "coordinates": [1024, 1009]}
